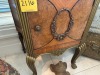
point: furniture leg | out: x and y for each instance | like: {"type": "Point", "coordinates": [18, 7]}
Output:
{"type": "Point", "coordinates": [78, 52]}
{"type": "Point", "coordinates": [31, 63]}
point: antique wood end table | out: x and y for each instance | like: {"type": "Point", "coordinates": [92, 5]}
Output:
{"type": "Point", "coordinates": [57, 25]}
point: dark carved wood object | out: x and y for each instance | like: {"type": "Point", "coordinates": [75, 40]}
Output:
{"type": "Point", "coordinates": [59, 68]}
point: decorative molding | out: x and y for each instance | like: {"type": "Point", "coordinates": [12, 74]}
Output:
{"type": "Point", "coordinates": [53, 26]}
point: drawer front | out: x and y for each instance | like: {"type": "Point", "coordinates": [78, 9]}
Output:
{"type": "Point", "coordinates": [58, 22]}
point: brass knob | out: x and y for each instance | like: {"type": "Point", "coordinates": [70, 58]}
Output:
{"type": "Point", "coordinates": [37, 28]}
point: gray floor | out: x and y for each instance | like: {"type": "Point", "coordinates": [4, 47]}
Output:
{"type": "Point", "coordinates": [86, 66]}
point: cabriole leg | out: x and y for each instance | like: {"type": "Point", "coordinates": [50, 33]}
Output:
{"type": "Point", "coordinates": [31, 63]}
{"type": "Point", "coordinates": [78, 52]}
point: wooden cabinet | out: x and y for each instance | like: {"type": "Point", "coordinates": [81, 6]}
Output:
{"type": "Point", "coordinates": [58, 24]}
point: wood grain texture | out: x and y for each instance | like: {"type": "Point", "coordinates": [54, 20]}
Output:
{"type": "Point", "coordinates": [56, 46]}
{"type": "Point", "coordinates": [59, 4]}
{"type": "Point", "coordinates": [43, 18]}
{"type": "Point", "coordinates": [43, 40]}
{"type": "Point", "coordinates": [80, 14]}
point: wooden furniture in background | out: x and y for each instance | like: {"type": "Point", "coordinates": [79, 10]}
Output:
{"type": "Point", "coordinates": [92, 46]}
{"type": "Point", "coordinates": [93, 38]}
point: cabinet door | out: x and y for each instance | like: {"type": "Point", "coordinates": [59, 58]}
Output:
{"type": "Point", "coordinates": [40, 23]}
{"type": "Point", "coordinates": [59, 23]}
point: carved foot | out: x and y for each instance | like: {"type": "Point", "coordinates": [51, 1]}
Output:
{"type": "Point", "coordinates": [34, 74]}
{"type": "Point", "coordinates": [74, 66]}
{"type": "Point", "coordinates": [67, 73]}
{"type": "Point", "coordinates": [59, 68]}
{"type": "Point", "coordinates": [78, 52]}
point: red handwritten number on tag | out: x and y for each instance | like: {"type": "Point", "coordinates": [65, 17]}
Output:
{"type": "Point", "coordinates": [27, 3]}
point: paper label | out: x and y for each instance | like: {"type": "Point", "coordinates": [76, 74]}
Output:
{"type": "Point", "coordinates": [28, 5]}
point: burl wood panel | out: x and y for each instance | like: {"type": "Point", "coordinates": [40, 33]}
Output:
{"type": "Point", "coordinates": [43, 40]}
{"type": "Point", "coordinates": [59, 4]}
{"type": "Point", "coordinates": [43, 18]}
